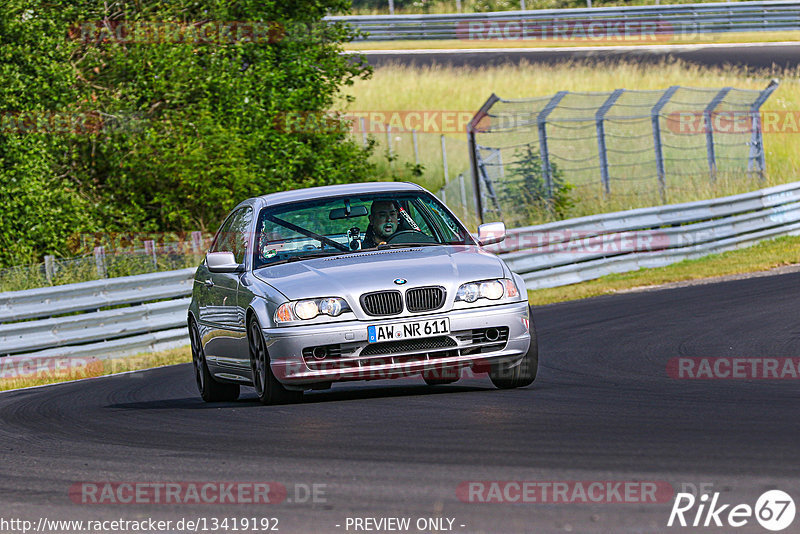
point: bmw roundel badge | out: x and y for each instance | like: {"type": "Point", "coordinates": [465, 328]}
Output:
{"type": "Point", "coordinates": [400, 281]}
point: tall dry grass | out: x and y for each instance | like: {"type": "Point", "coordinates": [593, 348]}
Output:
{"type": "Point", "coordinates": [446, 88]}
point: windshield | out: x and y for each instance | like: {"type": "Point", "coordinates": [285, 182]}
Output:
{"type": "Point", "coordinates": [344, 225]}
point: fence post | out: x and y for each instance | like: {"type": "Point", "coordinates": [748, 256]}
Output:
{"type": "Point", "coordinates": [541, 122]}
{"type": "Point", "coordinates": [150, 248]}
{"type": "Point", "coordinates": [654, 118]}
{"type": "Point", "coordinates": [416, 146]}
{"type": "Point", "coordinates": [49, 268]}
{"type": "Point", "coordinates": [709, 126]}
{"type": "Point", "coordinates": [463, 194]}
{"type": "Point", "coordinates": [473, 153]}
{"type": "Point", "coordinates": [389, 140]}
{"type": "Point", "coordinates": [444, 159]}
{"type": "Point", "coordinates": [197, 241]}
{"type": "Point", "coordinates": [363, 124]}
{"type": "Point", "coordinates": [599, 118]}
{"type": "Point", "coordinates": [100, 261]}
{"type": "Point", "coordinates": [756, 156]}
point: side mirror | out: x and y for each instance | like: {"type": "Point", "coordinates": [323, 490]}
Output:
{"type": "Point", "coordinates": [491, 233]}
{"type": "Point", "coordinates": [222, 262]}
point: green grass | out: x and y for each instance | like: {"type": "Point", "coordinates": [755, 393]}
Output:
{"type": "Point", "coordinates": [762, 256]}
{"type": "Point", "coordinates": [464, 90]}
{"type": "Point", "coordinates": [95, 368]}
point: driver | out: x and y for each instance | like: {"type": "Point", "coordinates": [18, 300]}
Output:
{"type": "Point", "coordinates": [382, 223]}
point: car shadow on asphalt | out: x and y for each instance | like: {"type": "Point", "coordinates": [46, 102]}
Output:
{"type": "Point", "coordinates": [336, 394]}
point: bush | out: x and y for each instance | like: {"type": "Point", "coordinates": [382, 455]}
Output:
{"type": "Point", "coordinates": [183, 130]}
{"type": "Point", "coordinates": [531, 188]}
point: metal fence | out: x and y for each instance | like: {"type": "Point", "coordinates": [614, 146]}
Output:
{"type": "Point", "coordinates": [112, 255]}
{"type": "Point", "coordinates": [101, 318]}
{"type": "Point", "coordinates": [639, 22]}
{"type": "Point", "coordinates": [650, 146]}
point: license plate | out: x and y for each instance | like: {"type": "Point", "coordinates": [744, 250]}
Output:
{"type": "Point", "coordinates": [410, 330]}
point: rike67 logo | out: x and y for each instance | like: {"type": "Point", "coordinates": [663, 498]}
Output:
{"type": "Point", "coordinates": [774, 510]}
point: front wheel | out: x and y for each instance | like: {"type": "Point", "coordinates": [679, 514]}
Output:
{"type": "Point", "coordinates": [210, 389]}
{"type": "Point", "coordinates": [504, 376]}
{"type": "Point", "coordinates": [267, 387]}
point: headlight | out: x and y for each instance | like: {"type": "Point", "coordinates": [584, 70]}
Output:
{"type": "Point", "coordinates": [308, 309]}
{"type": "Point", "coordinates": [492, 290]}
{"type": "Point", "coordinates": [469, 293]}
{"type": "Point", "coordinates": [330, 306]}
{"type": "Point", "coordinates": [488, 289]}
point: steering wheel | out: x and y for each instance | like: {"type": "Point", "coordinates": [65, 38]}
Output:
{"type": "Point", "coordinates": [410, 236]}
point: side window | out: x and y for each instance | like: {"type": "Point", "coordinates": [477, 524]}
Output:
{"type": "Point", "coordinates": [233, 235]}
{"type": "Point", "coordinates": [220, 243]}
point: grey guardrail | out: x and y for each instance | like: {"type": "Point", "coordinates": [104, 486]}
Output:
{"type": "Point", "coordinates": [662, 20]}
{"type": "Point", "coordinates": [57, 300]}
{"type": "Point", "coordinates": [575, 250]}
{"type": "Point", "coordinates": [91, 327]}
{"type": "Point", "coordinates": [99, 319]}
{"type": "Point", "coordinates": [94, 319]}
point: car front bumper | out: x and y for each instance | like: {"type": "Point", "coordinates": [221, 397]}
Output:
{"type": "Point", "coordinates": [348, 340]}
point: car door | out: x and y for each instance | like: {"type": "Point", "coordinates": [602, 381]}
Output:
{"type": "Point", "coordinates": [222, 313]}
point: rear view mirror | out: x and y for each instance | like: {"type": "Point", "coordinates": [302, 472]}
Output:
{"type": "Point", "coordinates": [490, 233]}
{"type": "Point", "coordinates": [341, 213]}
{"type": "Point", "coordinates": [222, 262]}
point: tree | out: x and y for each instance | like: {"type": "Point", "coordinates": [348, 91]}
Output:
{"type": "Point", "coordinates": [180, 102]}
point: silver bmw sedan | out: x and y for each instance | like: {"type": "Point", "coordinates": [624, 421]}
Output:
{"type": "Point", "coordinates": [367, 281]}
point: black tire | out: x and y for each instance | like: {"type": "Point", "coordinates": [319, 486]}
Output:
{"type": "Point", "coordinates": [210, 389]}
{"type": "Point", "coordinates": [267, 387]}
{"type": "Point", "coordinates": [504, 376]}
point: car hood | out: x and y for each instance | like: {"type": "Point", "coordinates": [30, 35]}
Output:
{"type": "Point", "coordinates": [351, 275]}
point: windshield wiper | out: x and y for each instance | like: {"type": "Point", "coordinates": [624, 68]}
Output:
{"type": "Point", "coordinates": [384, 246]}
{"type": "Point", "coordinates": [301, 257]}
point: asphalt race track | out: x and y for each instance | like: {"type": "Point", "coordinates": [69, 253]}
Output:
{"type": "Point", "coordinates": [752, 55]}
{"type": "Point", "coordinates": [603, 409]}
